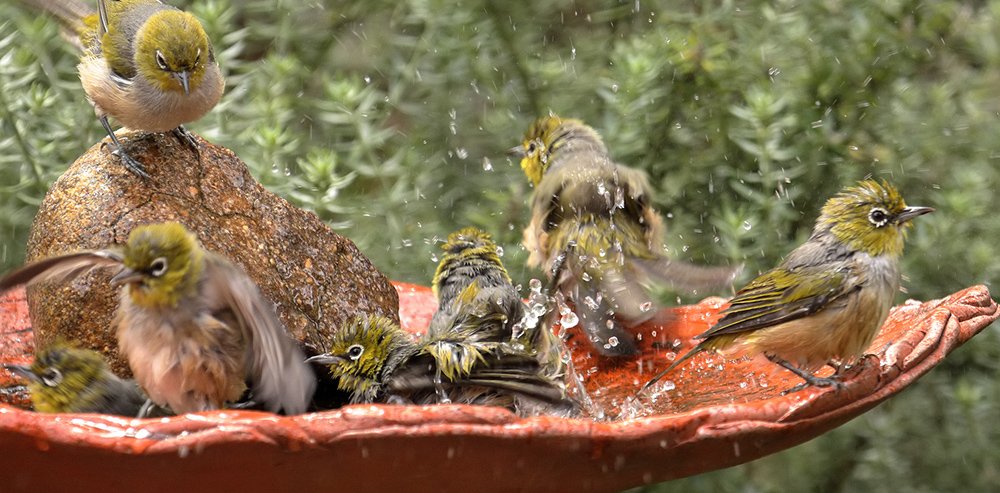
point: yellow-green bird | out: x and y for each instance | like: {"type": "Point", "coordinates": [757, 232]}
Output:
{"type": "Point", "coordinates": [376, 361]}
{"type": "Point", "coordinates": [478, 302]}
{"type": "Point", "coordinates": [65, 379]}
{"type": "Point", "coordinates": [193, 327]}
{"type": "Point", "coordinates": [148, 65]}
{"type": "Point", "coordinates": [826, 301]}
{"type": "Point", "coordinates": [598, 215]}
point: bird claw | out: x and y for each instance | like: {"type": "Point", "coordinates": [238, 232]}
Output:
{"type": "Point", "coordinates": [146, 409]}
{"type": "Point", "coordinates": [244, 405]}
{"type": "Point", "coordinates": [131, 163]}
{"type": "Point", "coordinates": [186, 137]}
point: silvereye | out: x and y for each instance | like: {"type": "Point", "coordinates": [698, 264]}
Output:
{"type": "Point", "coordinates": [193, 327]}
{"type": "Point", "coordinates": [599, 214]}
{"type": "Point", "coordinates": [478, 302]}
{"type": "Point", "coordinates": [148, 65]}
{"type": "Point", "coordinates": [375, 360]}
{"type": "Point", "coordinates": [65, 379]}
{"type": "Point", "coordinates": [826, 301]}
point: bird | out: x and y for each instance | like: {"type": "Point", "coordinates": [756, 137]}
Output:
{"type": "Point", "coordinates": [193, 327]}
{"type": "Point", "coordinates": [376, 361]}
{"type": "Point", "coordinates": [596, 218]}
{"type": "Point", "coordinates": [148, 65]}
{"type": "Point", "coordinates": [67, 379]}
{"type": "Point", "coordinates": [825, 302]}
{"type": "Point", "coordinates": [477, 300]}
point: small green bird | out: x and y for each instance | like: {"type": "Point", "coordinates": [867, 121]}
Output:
{"type": "Point", "coordinates": [827, 300]}
{"type": "Point", "coordinates": [376, 361]}
{"type": "Point", "coordinates": [146, 64]}
{"type": "Point", "coordinates": [598, 214]}
{"type": "Point", "coordinates": [65, 379]}
{"type": "Point", "coordinates": [477, 302]}
{"type": "Point", "coordinates": [193, 327]}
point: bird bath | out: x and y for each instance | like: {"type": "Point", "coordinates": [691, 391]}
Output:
{"type": "Point", "coordinates": [718, 413]}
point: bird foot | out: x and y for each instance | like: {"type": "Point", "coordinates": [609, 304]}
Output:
{"type": "Point", "coordinates": [146, 409]}
{"type": "Point", "coordinates": [131, 163]}
{"type": "Point", "coordinates": [186, 137]}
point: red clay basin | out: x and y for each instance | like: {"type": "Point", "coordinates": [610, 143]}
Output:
{"type": "Point", "coordinates": [711, 413]}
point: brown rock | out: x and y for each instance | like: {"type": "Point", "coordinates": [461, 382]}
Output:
{"type": "Point", "coordinates": [316, 277]}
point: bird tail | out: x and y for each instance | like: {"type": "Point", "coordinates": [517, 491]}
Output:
{"type": "Point", "coordinates": [77, 17]}
{"type": "Point", "coordinates": [652, 381]}
{"type": "Point", "coordinates": [684, 276]}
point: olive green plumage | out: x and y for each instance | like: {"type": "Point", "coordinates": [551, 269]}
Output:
{"type": "Point", "coordinates": [826, 301]}
{"type": "Point", "coordinates": [376, 361]}
{"type": "Point", "coordinates": [65, 379]}
{"type": "Point", "coordinates": [193, 327]}
{"type": "Point", "coordinates": [148, 65]}
{"type": "Point", "coordinates": [599, 214]}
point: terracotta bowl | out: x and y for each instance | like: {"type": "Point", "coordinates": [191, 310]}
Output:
{"type": "Point", "coordinates": [709, 414]}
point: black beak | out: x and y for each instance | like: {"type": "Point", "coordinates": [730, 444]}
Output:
{"type": "Point", "coordinates": [517, 152]}
{"type": "Point", "coordinates": [912, 212]}
{"type": "Point", "coordinates": [126, 276]}
{"type": "Point", "coordinates": [325, 359]}
{"type": "Point", "coordinates": [22, 371]}
{"type": "Point", "coordinates": [185, 80]}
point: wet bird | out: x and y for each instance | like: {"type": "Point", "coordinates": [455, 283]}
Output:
{"type": "Point", "coordinates": [148, 65]}
{"type": "Point", "coordinates": [376, 361]}
{"type": "Point", "coordinates": [193, 327]}
{"type": "Point", "coordinates": [598, 215]}
{"type": "Point", "coordinates": [477, 302]}
{"type": "Point", "coordinates": [826, 301]}
{"type": "Point", "coordinates": [65, 379]}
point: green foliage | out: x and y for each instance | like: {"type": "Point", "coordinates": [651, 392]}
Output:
{"type": "Point", "coordinates": [390, 119]}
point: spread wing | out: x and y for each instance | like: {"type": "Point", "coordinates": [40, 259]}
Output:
{"type": "Point", "coordinates": [782, 295]}
{"type": "Point", "coordinates": [277, 369]}
{"type": "Point", "coordinates": [61, 268]}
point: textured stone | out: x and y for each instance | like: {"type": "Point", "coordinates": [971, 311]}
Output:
{"type": "Point", "coordinates": [316, 277]}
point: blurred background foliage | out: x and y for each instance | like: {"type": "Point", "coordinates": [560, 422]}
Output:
{"type": "Point", "coordinates": [390, 119]}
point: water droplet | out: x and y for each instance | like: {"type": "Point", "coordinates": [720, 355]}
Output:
{"type": "Point", "coordinates": [535, 285]}
{"type": "Point", "coordinates": [747, 225]}
{"type": "Point", "coordinates": [462, 153]}
{"type": "Point", "coordinates": [585, 277]}
{"type": "Point", "coordinates": [368, 79]}
{"type": "Point", "coordinates": [487, 164]}
{"type": "Point", "coordinates": [538, 310]}
{"type": "Point", "coordinates": [647, 306]}
{"type": "Point", "coordinates": [569, 320]}
{"type": "Point", "coordinates": [613, 341]}
{"type": "Point", "coordinates": [499, 251]}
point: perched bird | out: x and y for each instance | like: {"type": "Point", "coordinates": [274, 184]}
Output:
{"type": "Point", "coordinates": [376, 361]}
{"type": "Point", "coordinates": [148, 65]}
{"type": "Point", "coordinates": [826, 301]}
{"type": "Point", "coordinates": [598, 215]}
{"type": "Point", "coordinates": [193, 327]}
{"type": "Point", "coordinates": [477, 301]}
{"type": "Point", "coordinates": [64, 379]}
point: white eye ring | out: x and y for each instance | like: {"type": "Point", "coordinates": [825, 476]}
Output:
{"type": "Point", "coordinates": [878, 216]}
{"type": "Point", "coordinates": [52, 377]}
{"type": "Point", "coordinates": [354, 352]}
{"type": "Point", "coordinates": [158, 267]}
{"type": "Point", "coordinates": [161, 60]}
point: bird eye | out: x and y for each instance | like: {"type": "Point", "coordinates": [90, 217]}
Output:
{"type": "Point", "coordinates": [158, 267]}
{"type": "Point", "coordinates": [161, 60]}
{"type": "Point", "coordinates": [354, 352]}
{"type": "Point", "coordinates": [878, 217]}
{"type": "Point", "coordinates": [52, 377]}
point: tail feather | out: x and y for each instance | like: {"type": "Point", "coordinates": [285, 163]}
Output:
{"type": "Point", "coordinates": [70, 13]}
{"type": "Point", "coordinates": [685, 276]}
{"type": "Point", "coordinates": [652, 381]}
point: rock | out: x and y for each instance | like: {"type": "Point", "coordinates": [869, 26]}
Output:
{"type": "Point", "coordinates": [316, 277]}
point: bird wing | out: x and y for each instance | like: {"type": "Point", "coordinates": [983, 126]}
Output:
{"type": "Point", "coordinates": [61, 268]}
{"type": "Point", "coordinates": [782, 295]}
{"type": "Point", "coordinates": [277, 369]}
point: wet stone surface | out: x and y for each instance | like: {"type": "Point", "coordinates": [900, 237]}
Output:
{"type": "Point", "coordinates": [316, 277]}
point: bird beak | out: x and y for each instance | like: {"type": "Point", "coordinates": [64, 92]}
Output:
{"type": "Point", "coordinates": [517, 151]}
{"type": "Point", "coordinates": [126, 276]}
{"type": "Point", "coordinates": [912, 212]}
{"type": "Point", "coordinates": [22, 371]}
{"type": "Point", "coordinates": [185, 80]}
{"type": "Point", "coordinates": [325, 359]}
